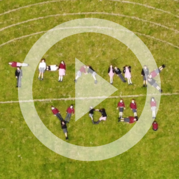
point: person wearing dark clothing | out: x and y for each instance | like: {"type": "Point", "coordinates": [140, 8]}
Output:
{"type": "Point", "coordinates": [18, 75]}
{"type": "Point", "coordinates": [91, 113]}
{"type": "Point", "coordinates": [145, 73]}
{"type": "Point", "coordinates": [119, 73]}
{"type": "Point", "coordinates": [103, 114]}
{"type": "Point", "coordinates": [129, 119]}
{"type": "Point", "coordinates": [64, 128]}
{"type": "Point", "coordinates": [93, 73]}
{"type": "Point", "coordinates": [153, 83]}
{"type": "Point", "coordinates": [56, 113]}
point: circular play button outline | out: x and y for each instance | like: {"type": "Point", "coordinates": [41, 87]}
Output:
{"type": "Point", "coordinates": [31, 116]}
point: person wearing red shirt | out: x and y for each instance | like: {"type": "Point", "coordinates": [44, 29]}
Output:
{"type": "Point", "coordinates": [156, 72]}
{"type": "Point", "coordinates": [129, 119]}
{"type": "Point", "coordinates": [153, 105]}
{"type": "Point", "coordinates": [121, 107]}
{"type": "Point", "coordinates": [56, 113]}
{"type": "Point", "coordinates": [155, 126]}
{"type": "Point", "coordinates": [69, 111]}
{"type": "Point", "coordinates": [133, 107]}
{"type": "Point", "coordinates": [62, 70]}
{"type": "Point", "coordinates": [80, 71]}
{"type": "Point", "coordinates": [18, 64]}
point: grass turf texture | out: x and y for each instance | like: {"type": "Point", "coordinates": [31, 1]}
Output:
{"type": "Point", "coordinates": [23, 156]}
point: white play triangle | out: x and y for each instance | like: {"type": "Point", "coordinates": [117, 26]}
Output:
{"type": "Point", "coordinates": [87, 93]}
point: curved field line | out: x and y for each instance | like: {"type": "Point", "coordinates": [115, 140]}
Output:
{"type": "Point", "coordinates": [82, 98]}
{"type": "Point", "coordinates": [147, 6]}
{"type": "Point", "coordinates": [53, 1]}
{"type": "Point", "coordinates": [148, 36]}
{"type": "Point", "coordinates": [89, 13]}
{"type": "Point", "coordinates": [31, 5]}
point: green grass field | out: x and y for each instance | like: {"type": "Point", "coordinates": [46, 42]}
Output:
{"type": "Point", "coordinates": [22, 155]}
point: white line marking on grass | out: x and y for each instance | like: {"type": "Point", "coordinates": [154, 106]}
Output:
{"type": "Point", "coordinates": [89, 13]}
{"type": "Point", "coordinates": [147, 6]}
{"type": "Point", "coordinates": [31, 5]}
{"type": "Point", "coordinates": [85, 98]}
{"type": "Point", "coordinates": [128, 2]}
{"type": "Point", "coordinates": [148, 36]}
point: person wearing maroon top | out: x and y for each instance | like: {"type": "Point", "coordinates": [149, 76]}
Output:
{"type": "Point", "coordinates": [80, 71]}
{"type": "Point", "coordinates": [155, 126]}
{"type": "Point", "coordinates": [56, 113]}
{"type": "Point", "coordinates": [62, 70]}
{"type": "Point", "coordinates": [153, 105]}
{"type": "Point", "coordinates": [18, 64]}
{"type": "Point", "coordinates": [133, 107]}
{"type": "Point", "coordinates": [121, 107]}
{"type": "Point", "coordinates": [129, 119]}
{"type": "Point", "coordinates": [156, 72]}
{"type": "Point", "coordinates": [69, 111]}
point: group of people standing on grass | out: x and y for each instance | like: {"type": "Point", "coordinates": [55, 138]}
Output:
{"type": "Point", "coordinates": [43, 67]}
{"type": "Point", "coordinates": [148, 78]}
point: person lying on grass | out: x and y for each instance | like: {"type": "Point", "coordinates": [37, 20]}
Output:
{"type": "Point", "coordinates": [119, 74]}
{"type": "Point", "coordinates": [18, 64]}
{"type": "Point", "coordinates": [155, 126]}
{"type": "Point", "coordinates": [103, 115]}
{"type": "Point", "coordinates": [156, 72]}
{"type": "Point", "coordinates": [121, 107]}
{"type": "Point", "coordinates": [56, 113]}
{"type": "Point", "coordinates": [70, 111]}
{"type": "Point", "coordinates": [145, 73]}
{"type": "Point", "coordinates": [91, 114]}
{"type": "Point", "coordinates": [52, 68]}
{"type": "Point", "coordinates": [153, 83]}
{"type": "Point", "coordinates": [64, 128]}
{"type": "Point", "coordinates": [42, 68]}
{"type": "Point", "coordinates": [111, 73]}
{"type": "Point", "coordinates": [18, 75]}
{"type": "Point", "coordinates": [80, 72]}
{"type": "Point", "coordinates": [129, 119]}
{"type": "Point", "coordinates": [93, 73]}
{"type": "Point", "coordinates": [133, 107]}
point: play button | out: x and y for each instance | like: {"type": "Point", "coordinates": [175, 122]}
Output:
{"type": "Point", "coordinates": [88, 93]}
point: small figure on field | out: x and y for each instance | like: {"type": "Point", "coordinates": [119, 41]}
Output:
{"type": "Point", "coordinates": [62, 71]}
{"type": "Point", "coordinates": [18, 75]}
{"type": "Point", "coordinates": [18, 64]}
{"type": "Point", "coordinates": [56, 113]}
{"type": "Point", "coordinates": [111, 73]}
{"type": "Point", "coordinates": [42, 68]}
{"type": "Point", "coordinates": [145, 73]}
{"type": "Point", "coordinates": [127, 72]}
{"type": "Point", "coordinates": [119, 74]}
{"type": "Point", "coordinates": [121, 107]}
{"type": "Point", "coordinates": [69, 111]}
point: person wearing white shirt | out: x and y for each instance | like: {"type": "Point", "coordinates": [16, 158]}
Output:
{"type": "Point", "coordinates": [52, 68]}
{"type": "Point", "coordinates": [42, 68]}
